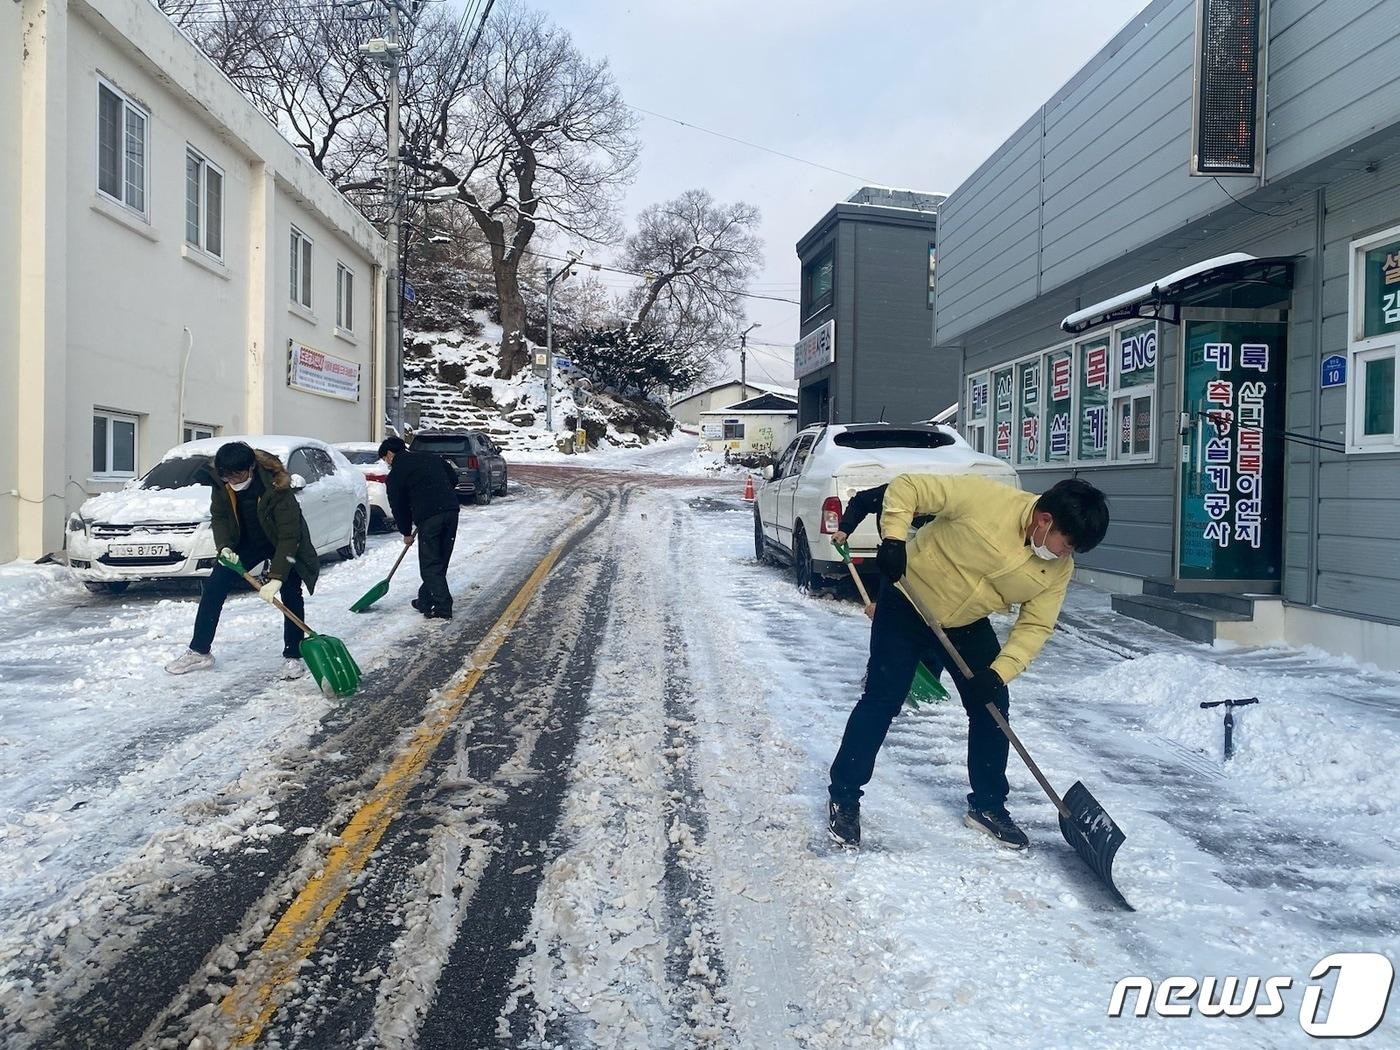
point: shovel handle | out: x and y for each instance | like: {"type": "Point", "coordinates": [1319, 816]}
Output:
{"type": "Point", "coordinates": [845, 553]}
{"type": "Point", "coordinates": [253, 583]}
{"type": "Point", "coordinates": [399, 560]}
{"type": "Point", "coordinates": [992, 709]}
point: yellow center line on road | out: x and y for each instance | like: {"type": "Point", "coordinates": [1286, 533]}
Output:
{"type": "Point", "coordinates": [250, 1004]}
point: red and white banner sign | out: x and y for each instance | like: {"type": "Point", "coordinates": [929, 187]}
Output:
{"type": "Point", "coordinates": [317, 373]}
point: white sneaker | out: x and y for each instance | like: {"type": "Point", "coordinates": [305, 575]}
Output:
{"type": "Point", "coordinates": [291, 670]}
{"type": "Point", "coordinates": [190, 661]}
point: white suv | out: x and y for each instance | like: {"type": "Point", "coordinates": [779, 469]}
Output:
{"type": "Point", "coordinates": [158, 527]}
{"type": "Point", "coordinates": [808, 488]}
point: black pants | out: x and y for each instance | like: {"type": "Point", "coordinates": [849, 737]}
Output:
{"type": "Point", "coordinates": [899, 639]}
{"type": "Point", "coordinates": [222, 582]}
{"type": "Point", "coordinates": [436, 538]}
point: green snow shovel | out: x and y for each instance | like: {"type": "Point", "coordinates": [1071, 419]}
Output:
{"type": "Point", "coordinates": [1083, 821]}
{"type": "Point", "coordinates": [926, 688]}
{"type": "Point", "coordinates": [380, 589]}
{"type": "Point", "coordinates": [331, 664]}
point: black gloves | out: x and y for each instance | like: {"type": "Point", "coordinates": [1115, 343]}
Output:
{"type": "Point", "coordinates": [984, 687]}
{"type": "Point", "coordinates": [892, 559]}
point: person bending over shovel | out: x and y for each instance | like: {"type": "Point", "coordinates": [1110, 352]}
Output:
{"type": "Point", "coordinates": [256, 519]}
{"type": "Point", "coordinates": [990, 547]}
{"type": "Point", "coordinates": [422, 490]}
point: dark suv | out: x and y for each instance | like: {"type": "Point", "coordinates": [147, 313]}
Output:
{"type": "Point", "coordinates": [481, 471]}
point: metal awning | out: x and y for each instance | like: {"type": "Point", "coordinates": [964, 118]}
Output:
{"type": "Point", "coordinates": [1164, 297]}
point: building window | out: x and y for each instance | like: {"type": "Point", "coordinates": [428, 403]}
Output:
{"type": "Point", "coordinates": [121, 148]}
{"type": "Point", "coordinates": [1003, 412]}
{"type": "Point", "coordinates": [1375, 409]}
{"type": "Point", "coordinates": [1059, 404]}
{"type": "Point", "coordinates": [199, 431]}
{"type": "Point", "coordinates": [113, 444]}
{"type": "Point", "coordinates": [300, 287]}
{"type": "Point", "coordinates": [1091, 443]}
{"type": "Point", "coordinates": [932, 274]}
{"type": "Point", "coordinates": [1028, 402]}
{"type": "Point", "coordinates": [204, 203]}
{"type": "Point", "coordinates": [1372, 407]}
{"type": "Point", "coordinates": [817, 284]}
{"type": "Point", "coordinates": [975, 429]}
{"type": "Point", "coordinates": [733, 430]}
{"type": "Point", "coordinates": [1134, 392]}
{"type": "Point", "coordinates": [344, 298]}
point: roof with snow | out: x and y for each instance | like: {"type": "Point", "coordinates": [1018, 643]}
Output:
{"type": "Point", "coordinates": [1147, 300]}
{"type": "Point", "coordinates": [762, 403]}
{"type": "Point", "coordinates": [768, 388]}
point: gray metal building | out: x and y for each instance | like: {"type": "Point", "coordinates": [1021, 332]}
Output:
{"type": "Point", "coordinates": [1216, 353]}
{"type": "Point", "coordinates": [866, 347]}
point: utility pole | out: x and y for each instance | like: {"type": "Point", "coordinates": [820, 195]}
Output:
{"type": "Point", "coordinates": [561, 273]}
{"type": "Point", "coordinates": [388, 53]}
{"type": "Point", "coordinates": [744, 360]}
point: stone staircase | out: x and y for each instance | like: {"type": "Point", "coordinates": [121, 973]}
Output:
{"type": "Point", "coordinates": [1200, 617]}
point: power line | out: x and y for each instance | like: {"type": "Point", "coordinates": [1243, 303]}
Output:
{"type": "Point", "coordinates": [753, 145]}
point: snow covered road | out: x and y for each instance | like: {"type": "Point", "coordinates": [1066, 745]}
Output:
{"type": "Point", "coordinates": [618, 840]}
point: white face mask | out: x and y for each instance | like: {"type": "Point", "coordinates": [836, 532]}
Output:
{"type": "Point", "coordinates": [241, 485]}
{"type": "Point", "coordinates": [1040, 551]}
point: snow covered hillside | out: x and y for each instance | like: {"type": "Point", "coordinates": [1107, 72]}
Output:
{"type": "Point", "coordinates": [452, 375]}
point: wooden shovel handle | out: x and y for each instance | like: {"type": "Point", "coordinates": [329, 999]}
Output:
{"type": "Point", "coordinates": [253, 583]}
{"type": "Point", "coordinates": [399, 559]}
{"type": "Point", "coordinates": [992, 708]}
{"type": "Point", "coordinates": [864, 596]}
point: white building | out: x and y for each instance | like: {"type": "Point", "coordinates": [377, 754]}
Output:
{"type": "Point", "coordinates": [170, 266]}
{"type": "Point", "coordinates": [686, 410]}
{"type": "Point", "coordinates": [762, 425]}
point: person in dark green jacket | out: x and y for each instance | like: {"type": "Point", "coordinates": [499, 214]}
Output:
{"type": "Point", "coordinates": [256, 519]}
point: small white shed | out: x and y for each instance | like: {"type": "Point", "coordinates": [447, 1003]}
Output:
{"type": "Point", "coordinates": [761, 425]}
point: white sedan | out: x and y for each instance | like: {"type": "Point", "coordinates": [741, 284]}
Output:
{"type": "Point", "coordinates": [157, 527]}
{"type": "Point", "coordinates": [364, 456]}
{"type": "Point", "coordinates": [808, 488]}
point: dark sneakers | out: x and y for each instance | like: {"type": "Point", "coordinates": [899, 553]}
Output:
{"type": "Point", "coordinates": [998, 824]}
{"type": "Point", "coordinates": [843, 823]}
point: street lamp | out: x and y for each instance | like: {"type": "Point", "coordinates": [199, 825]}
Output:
{"type": "Point", "coordinates": [560, 274]}
{"type": "Point", "coordinates": [744, 360]}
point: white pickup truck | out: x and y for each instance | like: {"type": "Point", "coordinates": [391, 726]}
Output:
{"type": "Point", "coordinates": [800, 506]}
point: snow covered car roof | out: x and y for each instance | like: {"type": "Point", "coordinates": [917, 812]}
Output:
{"type": "Point", "coordinates": [280, 445]}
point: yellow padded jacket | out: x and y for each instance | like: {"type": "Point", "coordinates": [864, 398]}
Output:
{"type": "Point", "coordinates": [973, 558]}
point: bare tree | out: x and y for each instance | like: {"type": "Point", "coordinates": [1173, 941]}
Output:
{"type": "Point", "coordinates": [543, 142]}
{"type": "Point", "coordinates": [699, 256]}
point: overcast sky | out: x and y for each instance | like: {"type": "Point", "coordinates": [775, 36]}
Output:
{"type": "Point", "coordinates": [906, 93]}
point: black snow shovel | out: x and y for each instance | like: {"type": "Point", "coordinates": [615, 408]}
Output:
{"type": "Point", "coordinates": [1083, 821]}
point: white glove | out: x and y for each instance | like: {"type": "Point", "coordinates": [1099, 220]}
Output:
{"type": "Point", "coordinates": [228, 554]}
{"type": "Point", "coordinates": [268, 591]}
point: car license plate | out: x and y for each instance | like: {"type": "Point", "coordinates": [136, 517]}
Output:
{"type": "Point", "coordinates": [139, 550]}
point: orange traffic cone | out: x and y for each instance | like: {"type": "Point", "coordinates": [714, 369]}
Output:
{"type": "Point", "coordinates": [748, 487]}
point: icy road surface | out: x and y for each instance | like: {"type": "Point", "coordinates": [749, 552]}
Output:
{"type": "Point", "coordinates": [618, 838]}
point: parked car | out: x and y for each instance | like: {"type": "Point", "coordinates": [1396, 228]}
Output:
{"type": "Point", "coordinates": [481, 469]}
{"type": "Point", "coordinates": [800, 505]}
{"type": "Point", "coordinates": [364, 456]}
{"type": "Point", "coordinates": [157, 527]}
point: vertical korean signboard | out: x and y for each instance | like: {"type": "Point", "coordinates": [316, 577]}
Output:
{"type": "Point", "coordinates": [1059, 369]}
{"type": "Point", "coordinates": [1093, 399]}
{"type": "Point", "coordinates": [1003, 403]}
{"type": "Point", "coordinates": [1232, 452]}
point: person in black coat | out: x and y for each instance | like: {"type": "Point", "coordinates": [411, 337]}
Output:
{"type": "Point", "coordinates": [422, 491]}
{"type": "Point", "coordinates": [862, 505]}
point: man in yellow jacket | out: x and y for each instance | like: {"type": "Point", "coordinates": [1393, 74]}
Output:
{"type": "Point", "coordinates": [989, 547]}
